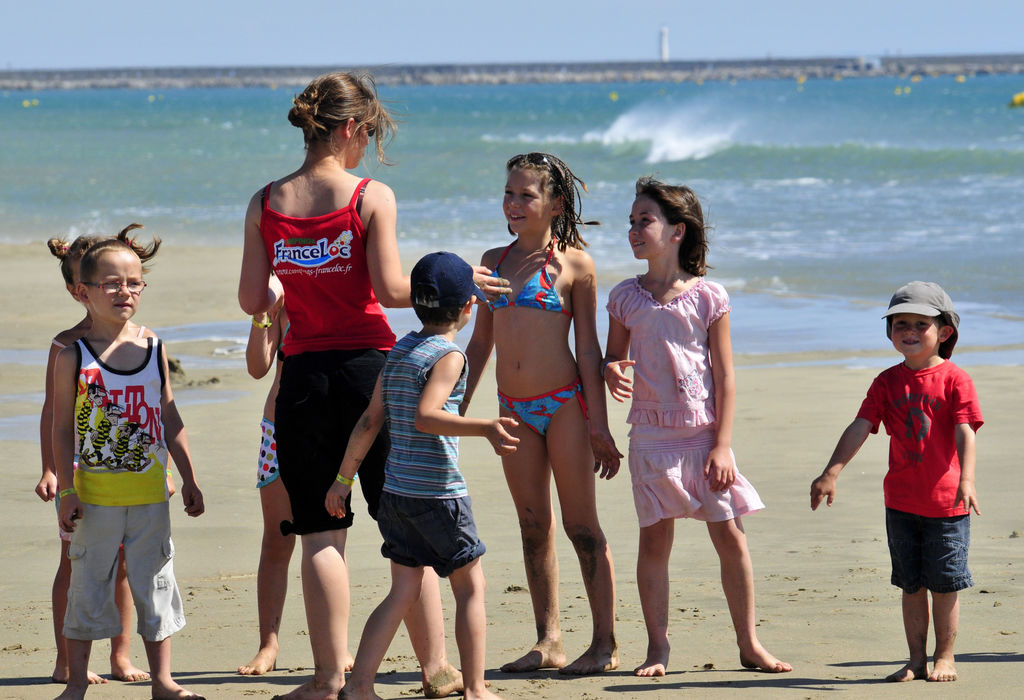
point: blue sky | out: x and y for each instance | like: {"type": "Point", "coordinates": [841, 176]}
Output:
{"type": "Point", "coordinates": [115, 33]}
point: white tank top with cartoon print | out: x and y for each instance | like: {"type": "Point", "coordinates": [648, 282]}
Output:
{"type": "Point", "coordinates": [119, 432]}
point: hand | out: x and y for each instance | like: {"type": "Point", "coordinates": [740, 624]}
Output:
{"type": "Point", "coordinates": [606, 455]}
{"type": "Point", "coordinates": [966, 494]}
{"type": "Point", "coordinates": [823, 487]}
{"type": "Point", "coordinates": [720, 469]}
{"type": "Point", "coordinates": [171, 488]}
{"type": "Point", "coordinates": [192, 497]}
{"type": "Point", "coordinates": [70, 511]}
{"type": "Point", "coordinates": [46, 489]}
{"type": "Point", "coordinates": [620, 386]}
{"type": "Point", "coordinates": [499, 437]}
{"type": "Point", "coordinates": [334, 502]}
{"type": "Point", "coordinates": [492, 286]}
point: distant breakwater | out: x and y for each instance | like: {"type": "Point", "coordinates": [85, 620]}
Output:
{"type": "Point", "coordinates": [510, 73]}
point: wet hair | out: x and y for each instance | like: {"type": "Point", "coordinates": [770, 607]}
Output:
{"type": "Point", "coordinates": [680, 205]}
{"type": "Point", "coordinates": [122, 241]}
{"type": "Point", "coordinates": [558, 182]}
{"type": "Point", "coordinates": [70, 253]}
{"type": "Point", "coordinates": [332, 99]}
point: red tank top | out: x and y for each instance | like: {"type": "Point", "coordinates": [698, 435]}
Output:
{"type": "Point", "coordinates": [321, 262]}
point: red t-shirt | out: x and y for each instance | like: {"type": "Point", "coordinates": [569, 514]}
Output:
{"type": "Point", "coordinates": [321, 262]}
{"type": "Point", "coordinates": [920, 410]}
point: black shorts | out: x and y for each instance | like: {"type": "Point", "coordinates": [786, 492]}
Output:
{"type": "Point", "coordinates": [322, 396]}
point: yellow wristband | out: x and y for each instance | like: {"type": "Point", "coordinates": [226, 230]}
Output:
{"type": "Point", "coordinates": [262, 324]}
{"type": "Point", "coordinates": [67, 492]}
{"type": "Point", "coordinates": [345, 480]}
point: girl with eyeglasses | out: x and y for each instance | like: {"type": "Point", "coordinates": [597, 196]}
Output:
{"type": "Point", "coordinates": [114, 413]}
{"type": "Point", "coordinates": [121, 666]}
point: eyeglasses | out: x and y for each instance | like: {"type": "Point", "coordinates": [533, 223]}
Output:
{"type": "Point", "coordinates": [133, 287]}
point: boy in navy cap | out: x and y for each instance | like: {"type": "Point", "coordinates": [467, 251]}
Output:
{"type": "Point", "coordinates": [930, 411]}
{"type": "Point", "coordinates": [424, 514]}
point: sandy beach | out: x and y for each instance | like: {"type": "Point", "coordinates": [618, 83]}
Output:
{"type": "Point", "coordinates": [824, 599]}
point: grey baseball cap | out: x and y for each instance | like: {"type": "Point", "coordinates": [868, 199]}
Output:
{"type": "Point", "coordinates": [925, 299]}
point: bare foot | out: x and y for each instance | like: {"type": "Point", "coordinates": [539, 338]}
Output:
{"type": "Point", "coordinates": [542, 655]}
{"type": "Point", "coordinates": [124, 670]}
{"type": "Point", "coordinates": [759, 659]}
{"type": "Point", "coordinates": [908, 673]}
{"type": "Point", "coordinates": [313, 690]}
{"type": "Point", "coordinates": [174, 692]}
{"type": "Point", "coordinates": [351, 692]}
{"type": "Point", "coordinates": [654, 665]}
{"type": "Point", "coordinates": [265, 661]}
{"type": "Point", "coordinates": [443, 683]}
{"type": "Point", "coordinates": [73, 692]}
{"type": "Point", "coordinates": [943, 671]}
{"type": "Point", "coordinates": [593, 661]}
{"type": "Point", "coordinates": [61, 676]}
{"type": "Point", "coordinates": [350, 661]}
{"type": "Point", "coordinates": [485, 694]}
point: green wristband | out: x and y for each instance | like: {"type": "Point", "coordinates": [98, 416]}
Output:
{"type": "Point", "coordinates": [344, 480]}
{"type": "Point", "coordinates": [67, 492]}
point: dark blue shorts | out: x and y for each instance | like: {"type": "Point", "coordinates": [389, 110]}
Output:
{"type": "Point", "coordinates": [435, 532]}
{"type": "Point", "coordinates": [928, 552]}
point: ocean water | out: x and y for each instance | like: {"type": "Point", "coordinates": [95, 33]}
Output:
{"type": "Point", "coordinates": [824, 197]}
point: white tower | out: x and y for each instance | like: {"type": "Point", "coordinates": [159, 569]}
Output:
{"type": "Point", "coordinates": [664, 44]}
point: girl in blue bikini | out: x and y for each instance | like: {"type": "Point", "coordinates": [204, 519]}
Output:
{"type": "Point", "coordinates": [558, 400]}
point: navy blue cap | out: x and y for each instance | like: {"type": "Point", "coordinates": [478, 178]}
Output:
{"type": "Point", "coordinates": [443, 279]}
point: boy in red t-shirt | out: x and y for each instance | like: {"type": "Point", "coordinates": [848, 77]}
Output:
{"type": "Point", "coordinates": [931, 413]}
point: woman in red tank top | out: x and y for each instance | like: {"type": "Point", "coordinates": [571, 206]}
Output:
{"type": "Point", "coordinates": [330, 238]}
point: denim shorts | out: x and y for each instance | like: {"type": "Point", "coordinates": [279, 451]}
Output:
{"type": "Point", "coordinates": [928, 552]}
{"type": "Point", "coordinates": [435, 532]}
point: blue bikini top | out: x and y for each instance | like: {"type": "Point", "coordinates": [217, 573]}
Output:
{"type": "Point", "coordinates": [538, 292]}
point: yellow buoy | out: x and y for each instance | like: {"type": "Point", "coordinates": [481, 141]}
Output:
{"type": "Point", "coordinates": [801, 79]}
{"type": "Point", "coordinates": [915, 79]}
{"type": "Point", "coordinates": [613, 96]}
{"type": "Point", "coordinates": [961, 78]}
{"type": "Point", "coordinates": [152, 98]}
{"type": "Point", "coordinates": [1017, 100]}
{"type": "Point", "coordinates": [898, 91]}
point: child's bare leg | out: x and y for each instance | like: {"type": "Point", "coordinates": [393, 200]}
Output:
{"type": "Point", "coordinates": [164, 686]}
{"type": "Point", "coordinates": [271, 577]}
{"type": "Point", "coordinates": [652, 580]}
{"type": "Point", "coordinates": [468, 585]}
{"type": "Point", "coordinates": [946, 613]}
{"type": "Point", "coordinates": [78, 668]}
{"type": "Point", "coordinates": [380, 629]}
{"type": "Point", "coordinates": [326, 594]}
{"type": "Point", "coordinates": [425, 623]}
{"type": "Point", "coordinates": [915, 625]}
{"type": "Point", "coordinates": [572, 464]}
{"type": "Point", "coordinates": [121, 666]}
{"type": "Point", "coordinates": [59, 604]}
{"type": "Point", "coordinates": [529, 481]}
{"type": "Point", "coordinates": [738, 585]}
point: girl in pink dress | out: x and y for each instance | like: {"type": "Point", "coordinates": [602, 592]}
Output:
{"type": "Point", "coordinates": [674, 326]}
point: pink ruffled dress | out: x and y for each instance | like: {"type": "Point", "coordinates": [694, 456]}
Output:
{"type": "Point", "coordinates": [673, 409]}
